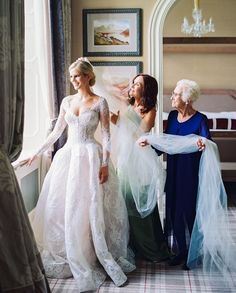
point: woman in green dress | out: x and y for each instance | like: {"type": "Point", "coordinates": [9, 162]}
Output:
{"type": "Point", "coordinates": [140, 172]}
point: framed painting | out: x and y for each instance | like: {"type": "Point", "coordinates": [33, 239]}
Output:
{"type": "Point", "coordinates": [112, 32]}
{"type": "Point", "coordinates": [113, 81]}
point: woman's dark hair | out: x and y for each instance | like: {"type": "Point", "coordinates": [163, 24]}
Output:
{"type": "Point", "coordinates": [150, 91]}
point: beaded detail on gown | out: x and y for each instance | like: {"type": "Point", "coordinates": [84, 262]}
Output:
{"type": "Point", "coordinates": [80, 225]}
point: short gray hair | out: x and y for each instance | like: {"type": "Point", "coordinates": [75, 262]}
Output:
{"type": "Point", "coordinates": [190, 90]}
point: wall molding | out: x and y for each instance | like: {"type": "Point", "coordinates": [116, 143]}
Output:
{"type": "Point", "coordinates": [203, 40]}
{"type": "Point", "coordinates": [218, 45]}
{"type": "Point", "coordinates": [157, 20]}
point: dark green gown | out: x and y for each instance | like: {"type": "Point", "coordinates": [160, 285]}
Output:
{"type": "Point", "coordinates": [146, 234]}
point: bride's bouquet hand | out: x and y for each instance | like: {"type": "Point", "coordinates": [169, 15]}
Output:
{"type": "Point", "coordinates": [103, 174]}
{"type": "Point", "coordinates": [114, 117]}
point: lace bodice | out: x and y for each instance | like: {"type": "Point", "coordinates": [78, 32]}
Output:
{"type": "Point", "coordinates": [81, 225]}
{"type": "Point", "coordinates": [81, 128]}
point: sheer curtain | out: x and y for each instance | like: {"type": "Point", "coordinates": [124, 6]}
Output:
{"type": "Point", "coordinates": [52, 43]}
{"type": "Point", "coordinates": [21, 268]}
{"type": "Point", "coordinates": [43, 45]}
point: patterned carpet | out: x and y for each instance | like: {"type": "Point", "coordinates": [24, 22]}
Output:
{"type": "Point", "coordinates": [160, 278]}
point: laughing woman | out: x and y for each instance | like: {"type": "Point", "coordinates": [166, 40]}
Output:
{"type": "Point", "coordinates": [139, 170]}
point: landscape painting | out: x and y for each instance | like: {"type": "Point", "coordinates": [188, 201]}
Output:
{"type": "Point", "coordinates": [112, 32]}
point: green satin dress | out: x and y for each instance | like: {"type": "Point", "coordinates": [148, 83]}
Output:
{"type": "Point", "coordinates": [146, 234]}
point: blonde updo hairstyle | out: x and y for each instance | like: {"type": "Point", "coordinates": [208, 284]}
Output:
{"type": "Point", "coordinates": [84, 67]}
{"type": "Point", "coordinates": [190, 90]}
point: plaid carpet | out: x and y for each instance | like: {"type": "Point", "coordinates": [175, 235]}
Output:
{"type": "Point", "coordinates": [159, 278]}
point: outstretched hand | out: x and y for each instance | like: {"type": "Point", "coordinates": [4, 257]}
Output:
{"type": "Point", "coordinates": [28, 161]}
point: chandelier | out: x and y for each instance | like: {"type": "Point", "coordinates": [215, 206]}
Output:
{"type": "Point", "coordinates": [199, 27]}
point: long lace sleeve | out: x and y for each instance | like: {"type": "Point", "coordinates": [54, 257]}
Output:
{"type": "Point", "coordinates": [57, 131]}
{"type": "Point", "coordinates": [105, 127]}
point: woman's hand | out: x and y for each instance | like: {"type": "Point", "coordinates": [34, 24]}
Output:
{"type": "Point", "coordinates": [103, 174]}
{"type": "Point", "coordinates": [28, 161]}
{"type": "Point", "coordinates": [201, 145]}
{"type": "Point", "coordinates": [143, 142]}
{"type": "Point", "coordinates": [114, 117]}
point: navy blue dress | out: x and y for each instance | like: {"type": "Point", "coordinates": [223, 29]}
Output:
{"type": "Point", "coordinates": [182, 182]}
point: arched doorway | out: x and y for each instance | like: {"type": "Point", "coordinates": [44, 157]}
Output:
{"type": "Point", "coordinates": [156, 49]}
{"type": "Point", "coordinates": [218, 90]}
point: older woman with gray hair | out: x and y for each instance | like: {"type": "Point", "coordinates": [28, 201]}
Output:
{"type": "Point", "coordinates": [182, 169]}
{"type": "Point", "coordinates": [196, 202]}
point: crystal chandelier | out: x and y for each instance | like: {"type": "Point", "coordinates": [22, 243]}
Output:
{"type": "Point", "coordinates": [199, 27]}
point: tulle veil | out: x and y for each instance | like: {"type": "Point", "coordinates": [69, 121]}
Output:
{"type": "Point", "coordinates": [140, 170]}
{"type": "Point", "coordinates": [212, 245]}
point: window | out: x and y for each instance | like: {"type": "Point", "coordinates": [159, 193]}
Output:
{"type": "Point", "coordinates": [36, 115]}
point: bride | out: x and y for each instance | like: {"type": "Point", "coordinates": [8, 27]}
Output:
{"type": "Point", "coordinates": [80, 221]}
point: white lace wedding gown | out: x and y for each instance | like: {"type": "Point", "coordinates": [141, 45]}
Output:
{"type": "Point", "coordinates": [80, 225]}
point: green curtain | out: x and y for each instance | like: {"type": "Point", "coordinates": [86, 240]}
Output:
{"type": "Point", "coordinates": [21, 268]}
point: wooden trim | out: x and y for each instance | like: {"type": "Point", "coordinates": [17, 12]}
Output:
{"type": "Point", "coordinates": [203, 40]}
{"type": "Point", "coordinates": [226, 134]}
{"type": "Point", "coordinates": [221, 45]}
{"type": "Point", "coordinates": [217, 49]}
